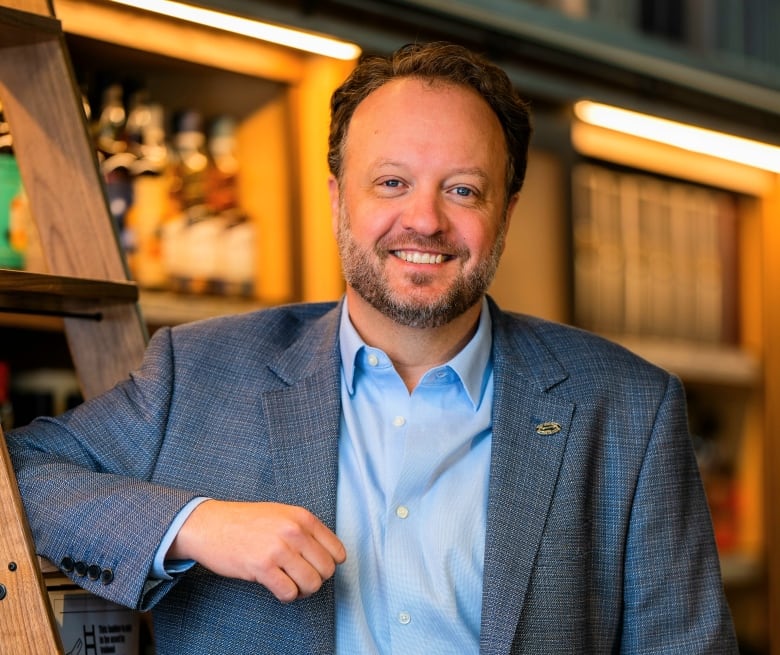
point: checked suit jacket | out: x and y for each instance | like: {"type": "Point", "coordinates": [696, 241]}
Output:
{"type": "Point", "coordinates": [598, 535]}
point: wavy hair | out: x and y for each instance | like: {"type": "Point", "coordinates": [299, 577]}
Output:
{"type": "Point", "coordinates": [436, 62]}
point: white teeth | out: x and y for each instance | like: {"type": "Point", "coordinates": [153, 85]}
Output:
{"type": "Point", "coordinates": [419, 257]}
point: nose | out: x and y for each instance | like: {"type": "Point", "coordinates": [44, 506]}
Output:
{"type": "Point", "coordinates": [425, 212]}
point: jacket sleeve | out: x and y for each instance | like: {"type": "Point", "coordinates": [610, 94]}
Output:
{"type": "Point", "coordinates": [85, 480]}
{"type": "Point", "coordinates": [673, 593]}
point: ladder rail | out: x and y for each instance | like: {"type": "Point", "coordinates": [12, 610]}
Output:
{"type": "Point", "coordinates": [60, 173]}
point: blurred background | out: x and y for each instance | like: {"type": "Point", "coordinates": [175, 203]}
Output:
{"type": "Point", "coordinates": [651, 211]}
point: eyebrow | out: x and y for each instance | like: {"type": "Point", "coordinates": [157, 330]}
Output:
{"type": "Point", "coordinates": [475, 171]}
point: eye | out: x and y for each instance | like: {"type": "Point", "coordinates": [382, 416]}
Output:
{"type": "Point", "coordinates": [389, 186]}
{"type": "Point", "coordinates": [465, 193]}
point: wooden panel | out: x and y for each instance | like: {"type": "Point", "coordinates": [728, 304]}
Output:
{"type": "Point", "coordinates": [26, 619]}
{"type": "Point", "coordinates": [145, 31]}
{"type": "Point", "coordinates": [322, 278]}
{"type": "Point", "coordinates": [771, 309]}
{"type": "Point", "coordinates": [57, 164]}
{"type": "Point", "coordinates": [42, 7]}
{"type": "Point", "coordinates": [59, 170]}
{"type": "Point", "coordinates": [265, 190]}
{"type": "Point", "coordinates": [636, 152]}
{"type": "Point", "coordinates": [537, 232]}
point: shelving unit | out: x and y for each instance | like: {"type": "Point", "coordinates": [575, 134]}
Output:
{"type": "Point", "coordinates": [285, 191]}
{"type": "Point", "coordinates": [85, 290]}
{"type": "Point", "coordinates": [94, 298]}
{"type": "Point", "coordinates": [282, 100]}
{"type": "Point", "coordinates": [730, 385]}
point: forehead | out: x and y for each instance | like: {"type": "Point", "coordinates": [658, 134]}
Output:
{"type": "Point", "coordinates": [430, 112]}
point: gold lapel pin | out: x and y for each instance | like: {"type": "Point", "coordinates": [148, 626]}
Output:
{"type": "Point", "coordinates": [548, 427]}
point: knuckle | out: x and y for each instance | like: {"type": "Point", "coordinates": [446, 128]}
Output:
{"type": "Point", "coordinates": [328, 569]}
{"type": "Point", "coordinates": [288, 593]}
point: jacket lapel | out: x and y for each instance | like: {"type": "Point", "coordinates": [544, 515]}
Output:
{"type": "Point", "coordinates": [530, 428]}
{"type": "Point", "coordinates": [303, 426]}
{"type": "Point", "coordinates": [303, 423]}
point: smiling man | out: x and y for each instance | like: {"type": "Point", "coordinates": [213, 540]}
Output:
{"type": "Point", "coordinates": [411, 469]}
{"type": "Point", "coordinates": [421, 209]}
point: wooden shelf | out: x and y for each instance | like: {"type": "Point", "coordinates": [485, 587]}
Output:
{"type": "Point", "coordinates": [167, 308]}
{"type": "Point", "coordinates": [698, 362]}
{"type": "Point", "coordinates": [37, 293]}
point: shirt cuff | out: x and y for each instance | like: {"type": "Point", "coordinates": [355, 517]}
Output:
{"type": "Point", "coordinates": [163, 569]}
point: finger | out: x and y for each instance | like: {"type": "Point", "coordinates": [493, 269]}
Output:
{"type": "Point", "coordinates": [319, 559]}
{"type": "Point", "coordinates": [330, 542]}
{"type": "Point", "coordinates": [281, 585]}
{"type": "Point", "coordinates": [306, 578]}
{"type": "Point", "coordinates": [307, 531]}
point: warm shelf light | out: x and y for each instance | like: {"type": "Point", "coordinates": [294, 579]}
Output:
{"type": "Point", "coordinates": [306, 41]}
{"type": "Point", "coordinates": [688, 137]}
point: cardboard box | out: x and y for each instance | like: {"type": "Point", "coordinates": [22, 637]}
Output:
{"type": "Point", "coordinates": [92, 626]}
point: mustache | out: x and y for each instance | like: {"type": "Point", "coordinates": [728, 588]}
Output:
{"type": "Point", "coordinates": [415, 241]}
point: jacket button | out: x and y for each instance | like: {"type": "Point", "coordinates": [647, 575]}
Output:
{"type": "Point", "coordinates": [67, 564]}
{"type": "Point", "coordinates": [80, 568]}
{"type": "Point", "coordinates": [93, 572]}
{"type": "Point", "coordinates": [106, 576]}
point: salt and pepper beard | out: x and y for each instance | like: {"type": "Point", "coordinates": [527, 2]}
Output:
{"type": "Point", "coordinates": [363, 272]}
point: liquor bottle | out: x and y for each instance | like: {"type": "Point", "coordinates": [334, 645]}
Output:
{"type": "Point", "coordinates": [188, 239]}
{"type": "Point", "coordinates": [115, 159]}
{"type": "Point", "coordinates": [23, 234]}
{"type": "Point", "coordinates": [6, 408]}
{"type": "Point", "coordinates": [191, 162]}
{"type": "Point", "coordinates": [235, 245]}
{"type": "Point", "coordinates": [10, 185]}
{"type": "Point", "coordinates": [151, 179]}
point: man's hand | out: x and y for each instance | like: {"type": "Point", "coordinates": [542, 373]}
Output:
{"type": "Point", "coordinates": [285, 548]}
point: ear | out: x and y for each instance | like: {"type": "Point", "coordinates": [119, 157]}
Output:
{"type": "Point", "coordinates": [333, 190]}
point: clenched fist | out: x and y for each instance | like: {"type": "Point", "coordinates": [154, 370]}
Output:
{"type": "Point", "coordinates": [285, 548]}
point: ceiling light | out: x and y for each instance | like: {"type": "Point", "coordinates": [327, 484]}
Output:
{"type": "Point", "coordinates": [307, 41]}
{"type": "Point", "coordinates": [688, 137]}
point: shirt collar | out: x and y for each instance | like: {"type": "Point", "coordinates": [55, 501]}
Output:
{"type": "Point", "coordinates": [472, 364]}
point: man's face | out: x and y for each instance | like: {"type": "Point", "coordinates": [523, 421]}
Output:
{"type": "Point", "coordinates": [420, 211]}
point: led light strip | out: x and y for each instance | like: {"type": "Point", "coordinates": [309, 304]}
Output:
{"type": "Point", "coordinates": [688, 137]}
{"type": "Point", "coordinates": [285, 36]}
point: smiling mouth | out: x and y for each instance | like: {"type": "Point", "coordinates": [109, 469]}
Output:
{"type": "Point", "coordinates": [417, 257]}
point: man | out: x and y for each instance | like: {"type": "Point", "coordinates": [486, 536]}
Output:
{"type": "Point", "coordinates": [410, 470]}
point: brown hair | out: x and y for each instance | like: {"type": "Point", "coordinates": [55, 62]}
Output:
{"type": "Point", "coordinates": [443, 62]}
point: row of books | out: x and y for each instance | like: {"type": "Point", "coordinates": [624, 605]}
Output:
{"type": "Point", "coordinates": [654, 258]}
{"type": "Point", "coordinates": [743, 30]}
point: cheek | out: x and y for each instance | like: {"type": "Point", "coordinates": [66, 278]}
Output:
{"type": "Point", "coordinates": [370, 221]}
{"type": "Point", "coordinates": [478, 237]}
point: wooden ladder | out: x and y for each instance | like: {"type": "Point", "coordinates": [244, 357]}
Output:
{"type": "Point", "coordinates": [86, 283]}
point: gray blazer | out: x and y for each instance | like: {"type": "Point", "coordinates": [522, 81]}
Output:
{"type": "Point", "coordinates": [598, 535]}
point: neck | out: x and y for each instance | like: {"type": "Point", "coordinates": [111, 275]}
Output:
{"type": "Point", "coordinates": [413, 351]}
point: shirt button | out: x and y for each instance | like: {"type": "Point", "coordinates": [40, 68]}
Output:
{"type": "Point", "coordinates": [404, 618]}
{"type": "Point", "coordinates": [398, 421]}
{"type": "Point", "coordinates": [373, 360]}
{"type": "Point", "coordinates": [402, 511]}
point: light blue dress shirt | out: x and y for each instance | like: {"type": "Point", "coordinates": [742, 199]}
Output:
{"type": "Point", "coordinates": [412, 500]}
{"type": "Point", "coordinates": [411, 504]}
